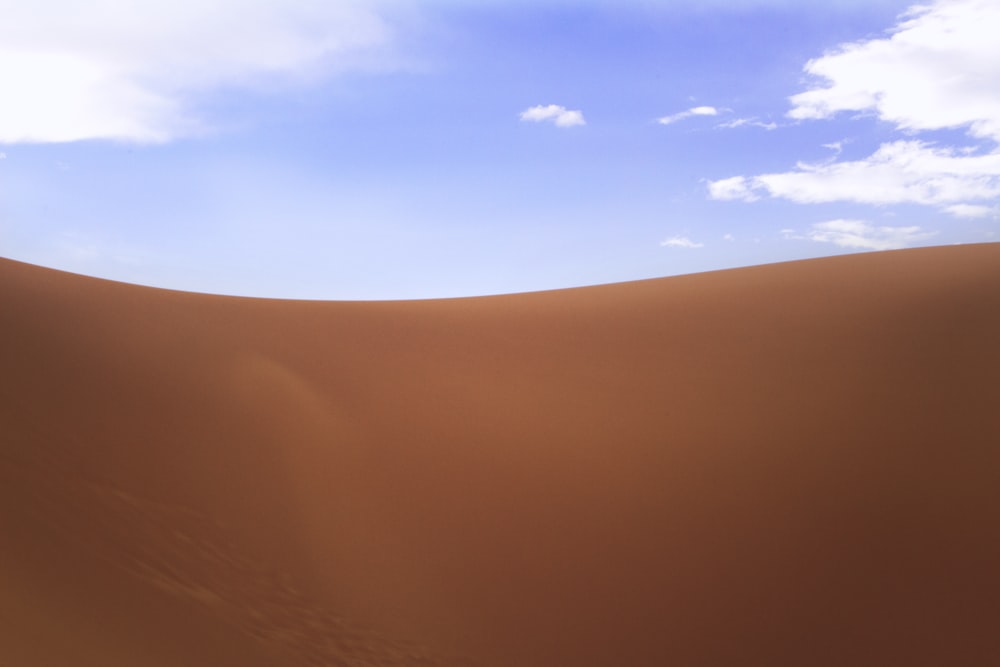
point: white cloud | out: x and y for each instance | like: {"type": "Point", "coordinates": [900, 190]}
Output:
{"type": "Point", "coordinates": [680, 242]}
{"type": "Point", "coordinates": [728, 237]}
{"type": "Point", "coordinates": [861, 234]}
{"type": "Point", "coordinates": [939, 68]}
{"type": "Point", "coordinates": [559, 115]}
{"type": "Point", "coordinates": [899, 172]}
{"type": "Point", "coordinates": [131, 71]}
{"type": "Point", "coordinates": [693, 111]}
{"type": "Point", "coordinates": [969, 211]}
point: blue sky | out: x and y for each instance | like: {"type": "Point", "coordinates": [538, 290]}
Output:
{"type": "Point", "coordinates": [386, 150]}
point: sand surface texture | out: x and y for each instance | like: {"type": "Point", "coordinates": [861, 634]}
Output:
{"type": "Point", "coordinates": [794, 464]}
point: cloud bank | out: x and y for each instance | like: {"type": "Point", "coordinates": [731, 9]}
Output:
{"type": "Point", "coordinates": [898, 172]}
{"type": "Point", "coordinates": [129, 71]}
{"type": "Point", "coordinates": [561, 116]}
{"type": "Point", "coordinates": [938, 69]}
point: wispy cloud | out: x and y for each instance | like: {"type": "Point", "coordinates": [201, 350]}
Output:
{"type": "Point", "coordinates": [680, 242]}
{"type": "Point", "coordinates": [71, 71]}
{"type": "Point", "coordinates": [693, 111]}
{"type": "Point", "coordinates": [939, 68]}
{"type": "Point", "coordinates": [735, 187]}
{"type": "Point", "coordinates": [836, 146]}
{"type": "Point", "coordinates": [970, 211]}
{"type": "Point", "coordinates": [861, 234]}
{"type": "Point", "coordinates": [559, 115]}
{"type": "Point", "coordinates": [748, 122]}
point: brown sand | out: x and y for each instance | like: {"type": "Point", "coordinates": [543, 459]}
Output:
{"type": "Point", "coordinates": [793, 464]}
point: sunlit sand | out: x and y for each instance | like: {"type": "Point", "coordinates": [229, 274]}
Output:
{"type": "Point", "coordinates": [792, 464]}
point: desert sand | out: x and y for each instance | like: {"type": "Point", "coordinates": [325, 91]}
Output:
{"type": "Point", "coordinates": [792, 464]}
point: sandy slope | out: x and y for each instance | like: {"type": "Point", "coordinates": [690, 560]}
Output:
{"type": "Point", "coordinates": [795, 464]}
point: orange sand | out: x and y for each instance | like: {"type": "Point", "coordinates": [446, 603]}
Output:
{"type": "Point", "coordinates": [793, 464]}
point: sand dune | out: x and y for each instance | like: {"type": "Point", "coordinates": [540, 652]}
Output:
{"type": "Point", "coordinates": [793, 464]}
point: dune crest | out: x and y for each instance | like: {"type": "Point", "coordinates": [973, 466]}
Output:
{"type": "Point", "coordinates": [788, 464]}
